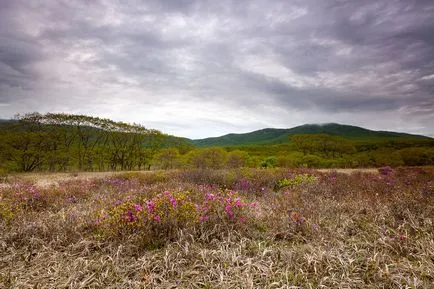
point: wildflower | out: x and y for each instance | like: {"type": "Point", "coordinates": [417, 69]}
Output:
{"type": "Point", "coordinates": [99, 220]}
{"type": "Point", "coordinates": [151, 206]}
{"type": "Point", "coordinates": [237, 202]}
{"type": "Point", "coordinates": [210, 196]}
{"type": "Point", "coordinates": [130, 217]}
{"type": "Point", "coordinates": [228, 210]}
{"type": "Point", "coordinates": [301, 220]}
{"type": "Point", "coordinates": [157, 218]}
{"type": "Point", "coordinates": [173, 201]}
{"type": "Point", "coordinates": [138, 208]}
{"type": "Point", "coordinates": [203, 219]}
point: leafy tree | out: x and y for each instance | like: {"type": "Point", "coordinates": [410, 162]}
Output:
{"type": "Point", "coordinates": [167, 158]}
{"type": "Point", "coordinates": [237, 159]}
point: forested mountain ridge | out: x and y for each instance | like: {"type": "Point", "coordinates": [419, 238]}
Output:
{"type": "Point", "coordinates": [279, 136]}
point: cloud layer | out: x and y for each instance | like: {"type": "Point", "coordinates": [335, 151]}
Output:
{"type": "Point", "coordinates": [206, 68]}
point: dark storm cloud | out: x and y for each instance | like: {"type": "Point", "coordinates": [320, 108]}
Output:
{"type": "Point", "coordinates": [222, 59]}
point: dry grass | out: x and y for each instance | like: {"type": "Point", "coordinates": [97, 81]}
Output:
{"type": "Point", "coordinates": [361, 230]}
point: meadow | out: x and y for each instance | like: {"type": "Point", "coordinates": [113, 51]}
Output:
{"type": "Point", "coordinates": [231, 228]}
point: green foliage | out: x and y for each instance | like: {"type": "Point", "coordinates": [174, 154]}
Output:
{"type": "Point", "coordinates": [6, 211]}
{"type": "Point", "coordinates": [167, 159]}
{"type": "Point", "coordinates": [297, 180]}
{"type": "Point", "coordinates": [237, 159]}
{"type": "Point", "coordinates": [209, 158]}
{"type": "Point", "coordinates": [269, 162]}
{"type": "Point", "coordinates": [62, 142]}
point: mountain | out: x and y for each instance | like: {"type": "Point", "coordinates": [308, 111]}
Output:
{"type": "Point", "coordinates": [278, 135]}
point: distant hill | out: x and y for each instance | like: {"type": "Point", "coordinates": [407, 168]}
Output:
{"type": "Point", "coordinates": [278, 136]}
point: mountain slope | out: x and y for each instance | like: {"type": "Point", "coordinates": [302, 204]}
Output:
{"type": "Point", "coordinates": [276, 136]}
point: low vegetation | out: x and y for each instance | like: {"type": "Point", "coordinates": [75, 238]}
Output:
{"type": "Point", "coordinates": [222, 228]}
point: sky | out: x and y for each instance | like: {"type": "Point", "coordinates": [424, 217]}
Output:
{"type": "Point", "coordinates": [202, 68]}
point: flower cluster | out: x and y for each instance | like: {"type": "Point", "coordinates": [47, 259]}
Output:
{"type": "Point", "coordinates": [170, 211]}
{"type": "Point", "coordinates": [166, 208]}
{"type": "Point", "coordinates": [224, 206]}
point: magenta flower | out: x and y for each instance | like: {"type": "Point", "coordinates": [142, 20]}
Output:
{"type": "Point", "coordinates": [157, 218]}
{"type": "Point", "coordinates": [151, 206]}
{"type": "Point", "coordinates": [174, 202]}
{"type": "Point", "coordinates": [130, 217]}
{"type": "Point", "coordinates": [138, 208]}
{"type": "Point", "coordinates": [203, 219]}
{"type": "Point", "coordinates": [228, 210]}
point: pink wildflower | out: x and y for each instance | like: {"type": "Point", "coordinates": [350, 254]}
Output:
{"type": "Point", "coordinates": [203, 219]}
{"type": "Point", "coordinates": [237, 202]}
{"type": "Point", "coordinates": [130, 217]}
{"type": "Point", "coordinates": [157, 218]}
{"type": "Point", "coordinates": [228, 210]}
{"type": "Point", "coordinates": [138, 208]}
{"type": "Point", "coordinates": [173, 201]}
{"type": "Point", "coordinates": [151, 206]}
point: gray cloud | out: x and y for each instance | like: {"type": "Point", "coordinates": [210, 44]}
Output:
{"type": "Point", "coordinates": [204, 68]}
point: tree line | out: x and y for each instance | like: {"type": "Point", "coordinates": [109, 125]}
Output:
{"type": "Point", "coordinates": [63, 142]}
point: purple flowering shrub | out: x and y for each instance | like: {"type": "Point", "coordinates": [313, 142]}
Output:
{"type": "Point", "coordinates": [163, 213]}
{"type": "Point", "coordinates": [226, 206]}
{"type": "Point", "coordinates": [161, 216]}
{"type": "Point", "coordinates": [20, 197]}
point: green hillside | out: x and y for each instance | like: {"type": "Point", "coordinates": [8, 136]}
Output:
{"type": "Point", "coordinates": [279, 136]}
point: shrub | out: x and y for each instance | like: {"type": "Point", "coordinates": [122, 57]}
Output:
{"type": "Point", "coordinates": [296, 181]}
{"type": "Point", "coordinates": [158, 218]}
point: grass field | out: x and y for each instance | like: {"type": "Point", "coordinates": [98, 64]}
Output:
{"type": "Point", "coordinates": [243, 228]}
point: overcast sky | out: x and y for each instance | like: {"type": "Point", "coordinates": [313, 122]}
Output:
{"type": "Point", "coordinates": [206, 68]}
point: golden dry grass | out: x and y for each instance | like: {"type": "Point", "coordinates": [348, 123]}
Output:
{"type": "Point", "coordinates": [368, 234]}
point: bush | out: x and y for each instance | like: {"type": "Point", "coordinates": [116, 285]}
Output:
{"type": "Point", "coordinates": [296, 181]}
{"type": "Point", "coordinates": [160, 217]}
